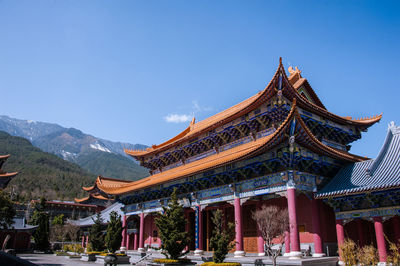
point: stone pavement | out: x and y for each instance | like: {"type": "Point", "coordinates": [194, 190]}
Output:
{"type": "Point", "coordinates": [51, 260]}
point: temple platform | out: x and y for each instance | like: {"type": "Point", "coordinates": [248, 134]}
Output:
{"type": "Point", "coordinates": [249, 259]}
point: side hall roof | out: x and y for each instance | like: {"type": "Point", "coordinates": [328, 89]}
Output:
{"type": "Point", "coordinates": [195, 129]}
{"type": "Point", "coordinates": [107, 181]}
{"type": "Point", "coordinates": [104, 214]}
{"type": "Point", "coordinates": [376, 174]}
{"type": "Point", "coordinates": [241, 152]}
{"type": "Point", "coordinates": [91, 196]}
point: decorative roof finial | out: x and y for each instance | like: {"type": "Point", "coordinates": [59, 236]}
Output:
{"type": "Point", "coordinates": [280, 60]}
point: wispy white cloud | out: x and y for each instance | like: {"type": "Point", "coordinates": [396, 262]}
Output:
{"type": "Point", "coordinates": [182, 118]}
{"type": "Point", "coordinates": [177, 118]}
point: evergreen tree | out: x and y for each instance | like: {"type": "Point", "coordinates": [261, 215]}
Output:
{"type": "Point", "coordinates": [58, 220]}
{"type": "Point", "coordinates": [221, 241]}
{"type": "Point", "coordinates": [171, 227]}
{"type": "Point", "coordinates": [42, 233]}
{"type": "Point", "coordinates": [96, 237]}
{"type": "Point", "coordinates": [7, 211]}
{"type": "Point", "coordinates": [114, 232]}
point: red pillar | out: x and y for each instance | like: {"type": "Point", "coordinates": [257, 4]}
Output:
{"type": "Point", "coordinates": [238, 228]}
{"type": "Point", "coordinates": [317, 229]}
{"type": "Point", "coordinates": [294, 232]}
{"type": "Point", "coordinates": [339, 234]}
{"type": "Point", "coordinates": [287, 244]}
{"type": "Point", "coordinates": [380, 239]}
{"type": "Point", "coordinates": [87, 241]}
{"type": "Point", "coordinates": [199, 231]}
{"type": "Point", "coordinates": [124, 233]}
{"type": "Point", "coordinates": [83, 241]}
{"type": "Point", "coordinates": [361, 241]}
{"type": "Point", "coordinates": [141, 233]}
{"type": "Point", "coordinates": [260, 240]}
{"type": "Point", "coordinates": [135, 239]}
{"type": "Point", "coordinates": [128, 244]}
{"type": "Point", "coordinates": [396, 228]}
{"type": "Point", "coordinates": [187, 226]}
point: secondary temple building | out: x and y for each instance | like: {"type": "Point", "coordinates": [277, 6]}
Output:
{"type": "Point", "coordinates": [280, 146]}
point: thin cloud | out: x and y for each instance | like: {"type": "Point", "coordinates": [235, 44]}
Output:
{"type": "Point", "coordinates": [177, 118]}
{"type": "Point", "coordinates": [182, 118]}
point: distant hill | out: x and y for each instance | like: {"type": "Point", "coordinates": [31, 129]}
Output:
{"type": "Point", "coordinates": [41, 173]}
{"type": "Point", "coordinates": [98, 156]}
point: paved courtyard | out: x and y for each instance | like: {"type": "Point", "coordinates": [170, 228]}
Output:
{"type": "Point", "coordinates": [51, 260]}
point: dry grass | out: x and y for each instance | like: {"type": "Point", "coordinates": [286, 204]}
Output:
{"type": "Point", "coordinates": [348, 251]}
{"type": "Point", "coordinates": [368, 255]}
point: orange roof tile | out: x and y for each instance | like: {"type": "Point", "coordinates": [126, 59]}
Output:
{"type": "Point", "coordinates": [4, 156]}
{"type": "Point", "coordinates": [106, 181]}
{"type": "Point", "coordinates": [249, 104]}
{"type": "Point", "coordinates": [6, 175]}
{"type": "Point", "coordinates": [216, 160]}
{"type": "Point", "coordinates": [92, 195]}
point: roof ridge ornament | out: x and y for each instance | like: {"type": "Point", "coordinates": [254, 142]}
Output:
{"type": "Point", "coordinates": [392, 127]}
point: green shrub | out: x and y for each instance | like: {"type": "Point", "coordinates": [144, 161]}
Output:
{"type": "Point", "coordinates": [114, 232]}
{"type": "Point", "coordinates": [220, 242]}
{"type": "Point", "coordinates": [171, 227]}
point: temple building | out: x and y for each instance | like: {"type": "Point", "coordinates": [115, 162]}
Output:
{"type": "Point", "coordinates": [5, 178]}
{"type": "Point", "coordinates": [96, 198]}
{"type": "Point", "coordinates": [279, 147]}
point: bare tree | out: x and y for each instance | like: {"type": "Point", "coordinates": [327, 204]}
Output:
{"type": "Point", "coordinates": [58, 233]}
{"type": "Point", "coordinates": [272, 222]}
{"type": "Point", "coordinates": [72, 232]}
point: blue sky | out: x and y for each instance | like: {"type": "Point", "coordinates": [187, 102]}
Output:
{"type": "Point", "coordinates": [125, 70]}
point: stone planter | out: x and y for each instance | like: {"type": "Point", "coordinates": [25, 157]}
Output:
{"type": "Point", "coordinates": [88, 257]}
{"type": "Point", "coordinates": [120, 259]}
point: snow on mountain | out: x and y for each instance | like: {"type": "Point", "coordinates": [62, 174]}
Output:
{"type": "Point", "coordinates": [97, 146]}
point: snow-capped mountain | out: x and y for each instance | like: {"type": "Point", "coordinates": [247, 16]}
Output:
{"type": "Point", "coordinates": [71, 144]}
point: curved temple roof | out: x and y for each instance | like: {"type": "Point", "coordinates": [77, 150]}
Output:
{"type": "Point", "coordinates": [290, 91]}
{"type": "Point", "coordinates": [376, 174]}
{"type": "Point", "coordinates": [228, 156]}
{"type": "Point", "coordinates": [106, 181]}
{"type": "Point", "coordinates": [91, 195]}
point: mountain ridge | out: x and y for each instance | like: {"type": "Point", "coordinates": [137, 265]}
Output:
{"type": "Point", "coordinates": [73, 145]}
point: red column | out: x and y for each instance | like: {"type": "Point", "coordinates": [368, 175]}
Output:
{"type": "Point", "coordinates": [317, 229]}
{"type": "Point", "coordinates": [380, 239]}
{"type": "Point", "coordinates": [396, 228]}
{"type": "Point", "coordinates": [339, 234]}
{"type": "Point", "coordinates": [128, 244]}
{"type": "Point", "coordinates": [141, 233]}
{"type": "Point", "coordinates": [360, 233]}
{"type": "Point", "coordinates": [83, 241]}
{"type": "Point", "coordinates": [87, 240]}
{"type": "Point", "coordinates": [124, 233]}
{"type": "Point", "coordinates": [187, 226]}
{"type": "Point", "coordinates": [287, 244]}
{"type": "Point", "coordinates": [135, 239]}
{"type": "Point", "coordinates": [260, 243]}
{"type": "Point", "coordinates": [238, 228]}
{"type": "Point", "coordinates": [260, 240]}
{"type": "Point", "coordinates": [294, 232]}
{"type": "Point", "coordinates": [199, 231]}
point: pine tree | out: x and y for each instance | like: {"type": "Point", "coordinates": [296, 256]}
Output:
{"type": "Point", "coordinates": [171, 227]}
{"type": "Point", "coordinates": [96, 237]}
{"type": "Point", "coordinates": [42, 233]}
{"type": "Point", "coordinates": [7, 211]}
{"type": "Point", "coordinates": [114, 232]}
{"type": "Point", "coordinates": [220, 242]}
